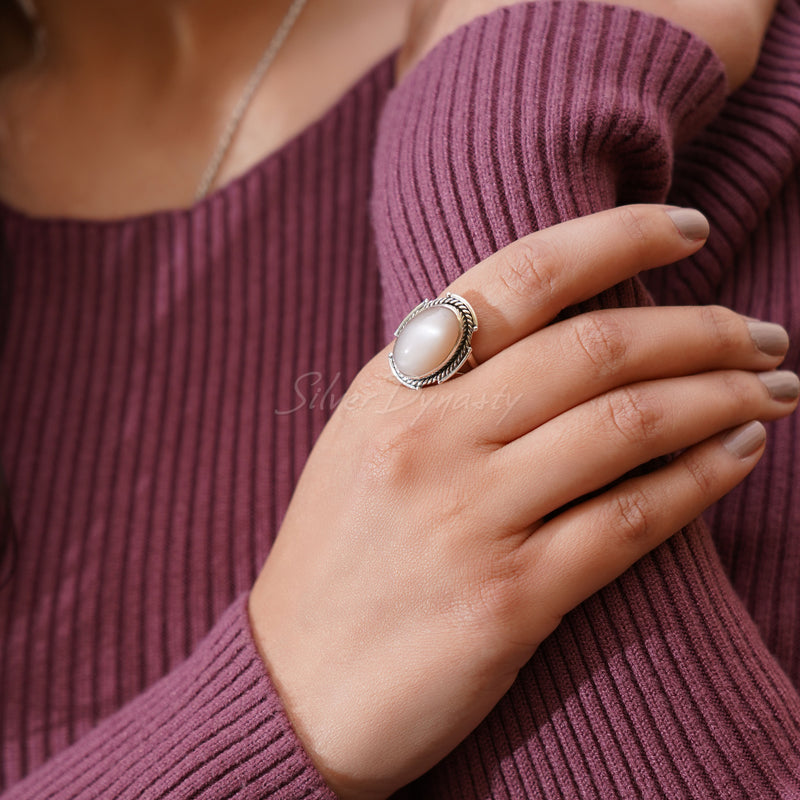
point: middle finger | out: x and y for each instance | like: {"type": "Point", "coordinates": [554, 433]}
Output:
{"type": "Point", "coordinates": [603, 439]}
{"type": "Point", "coordinates": [579, 358]}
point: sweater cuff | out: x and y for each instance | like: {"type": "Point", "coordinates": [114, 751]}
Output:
{"type": "Point", "coordinates": [212, 728]}
{"type": "Point", "coordinates": [536, 113]}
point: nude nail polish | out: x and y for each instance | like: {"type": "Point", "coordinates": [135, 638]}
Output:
{"type": "Point", "coordinates": [782, 385]}
{"type": "Point", "coordinates": [769, 338]}
{"type": "Point", "coordinates": [745, 440]}
{"type": "Point", "coordinates": [691, 223]}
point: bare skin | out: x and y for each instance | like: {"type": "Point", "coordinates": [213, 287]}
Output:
{"type": "Point", "coordinates": [122, 110]}
{"type": "Point", "coordinates": [359, 598]}
{"type": "Point", "coordinates": [733, 29]}
{"type": "Point", "coordinates": [389, 640]}
{"type": "Point", "coordinates": [408, 586]}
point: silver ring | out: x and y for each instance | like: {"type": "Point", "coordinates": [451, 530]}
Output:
{"type": "Point", "coordinates": [434, 341]}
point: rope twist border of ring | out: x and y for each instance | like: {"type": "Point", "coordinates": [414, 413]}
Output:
{"type": "Point", "coordinates": [458, 355]}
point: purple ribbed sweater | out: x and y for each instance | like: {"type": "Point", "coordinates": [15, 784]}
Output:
{"type": "Point", "coordinates": [146, 361]}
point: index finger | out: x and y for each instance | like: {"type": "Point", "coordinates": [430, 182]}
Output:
{"type": "Point", "coordinates": [522, 287]}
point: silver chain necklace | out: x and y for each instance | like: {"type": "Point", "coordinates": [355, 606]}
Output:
{"type": "Point", "coordinates": [253, 82]}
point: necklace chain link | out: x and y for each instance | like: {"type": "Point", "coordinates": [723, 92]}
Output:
{"type": "Point", "coordinates": [254, 81]}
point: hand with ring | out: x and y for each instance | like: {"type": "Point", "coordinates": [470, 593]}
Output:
{"type": "Point", "coordinates": [437, 537]}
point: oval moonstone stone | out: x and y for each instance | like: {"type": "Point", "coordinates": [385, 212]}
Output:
{"type": "Point", "coordinates": [427, 341]}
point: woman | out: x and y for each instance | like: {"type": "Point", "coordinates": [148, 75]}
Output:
{"type": "Point", "coordinates": [172, 369]}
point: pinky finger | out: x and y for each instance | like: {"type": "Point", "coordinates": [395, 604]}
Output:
{"type": "Point", "coordinates": [585, 548]}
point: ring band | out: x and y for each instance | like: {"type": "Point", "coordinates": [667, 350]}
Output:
{"type": "Point", "coordinates": [434, 341]}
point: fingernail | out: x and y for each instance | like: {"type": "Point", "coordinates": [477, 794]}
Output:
{"type": "Point", "coordinates": [691, 223]}
{"type": "Point", "coordinates": [782, 385]}
{"type": "Point", "coordinates": [745, 440]}
{"type": "Point", "coordinates": [769, 338]}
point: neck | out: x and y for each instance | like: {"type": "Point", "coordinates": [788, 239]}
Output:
{"type": "Point", "coordinates": [163, 34]}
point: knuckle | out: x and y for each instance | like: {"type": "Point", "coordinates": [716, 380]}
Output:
{"type": "Point", "coordinates": [737, 390]}
{"type": "Point", "coordinates": [632, 515]}
{"type": "Point", "coordinates": [723, 326]}
{"type": "Point", "coordinates": [635, 222]}
{"type": "Point", "coordinates": [450, 510]}
{"type": "Point", "coordinates": [702, 474]}
{"type": "Point", "coordinates": [527, 270]}
{"type": "Point", "coordinates": [384, 453]}
{"type": "Point", "coordinates": [393, 452]}
{"type": "Point", "coordinates": [634, 414]}
{"type": "Point", "coordinates": [498, 593]}
{"type": "Point", "coordinates": [602, 340]}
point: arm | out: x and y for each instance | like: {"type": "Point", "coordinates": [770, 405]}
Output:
{"type": "Point", "coordinates": [734, 29]}
{"type": "Point", "coordinates": [212, 728]}
{"type": "Point", "coordinates": [527, 117]}
{"type": "Point", "coordinates": [198, 742]}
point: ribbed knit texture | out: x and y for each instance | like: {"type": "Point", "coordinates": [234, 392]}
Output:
{"type": "Point", "coordinates": [149, 471]}
{"type": "Point", "coordinates": [658, 686]}
{"type": "Point", "coordinates": [154, 425]}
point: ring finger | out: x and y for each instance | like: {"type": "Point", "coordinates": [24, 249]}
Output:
{"type": "Point", "coordinates": [601, 440]}
{"type": "Point", "coordinates": [574, 360]}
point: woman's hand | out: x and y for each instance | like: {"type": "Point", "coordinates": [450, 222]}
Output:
{"type": "Point", "coordinates": [734, 29]}
{"type": "Point", "coordinates": [427, 553]}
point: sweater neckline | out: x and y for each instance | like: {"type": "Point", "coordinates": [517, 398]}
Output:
{"type": "Point", "coordinates": [222, 192]}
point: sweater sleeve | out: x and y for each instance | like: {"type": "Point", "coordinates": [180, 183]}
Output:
{"type": "Point", "coordinates": [659, 685]}
{"type": "Point", "coordinates": [212, 728]}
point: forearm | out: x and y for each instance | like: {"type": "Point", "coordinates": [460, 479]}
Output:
{"type": "Point", "coordinates": [732, 28]}
{"type": "Point", "coordinates": [212, 728]}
